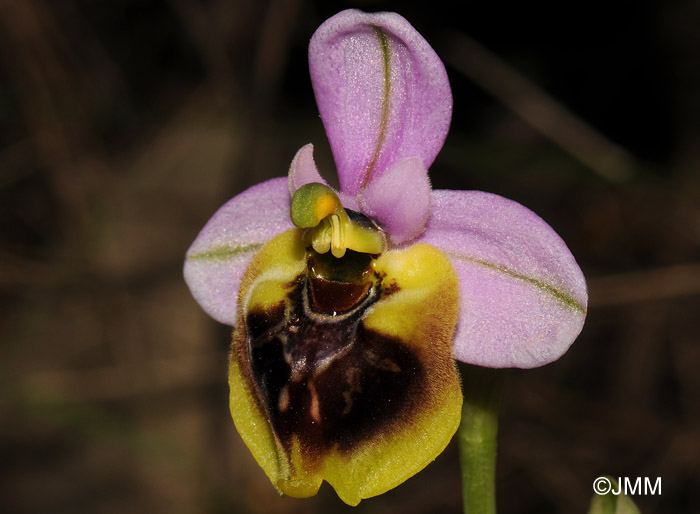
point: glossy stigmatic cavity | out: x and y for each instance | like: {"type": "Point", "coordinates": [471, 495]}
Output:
{"type": "Point", "coordinates": [341, 368]}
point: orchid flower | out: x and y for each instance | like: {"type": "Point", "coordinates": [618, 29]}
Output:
{"type": "Point", "coordinates": [349, 306]}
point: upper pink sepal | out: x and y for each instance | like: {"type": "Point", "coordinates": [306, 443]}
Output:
{"type": "Point", "coordinates": [382, 92]}
{"type": "Point", "coordinates": [399, 200]}
{"type": "Point", "coordinates": [523, 297]}
{"type": "Point", "coordinates": [223, 249]}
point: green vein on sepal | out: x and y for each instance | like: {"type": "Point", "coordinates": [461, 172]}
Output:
{"type": "Point", "coordinates": [564, 298]}
{"type": "Point", "coordinates": [225, 252]}
{"type": "Point", "coordinates": [383, 41]}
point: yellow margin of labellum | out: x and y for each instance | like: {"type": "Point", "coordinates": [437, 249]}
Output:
{"type": "Point", "coordinates": [418, 304]}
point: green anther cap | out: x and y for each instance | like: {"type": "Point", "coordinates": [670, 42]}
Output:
{"type": "Point", "coordinates": [312, 203]}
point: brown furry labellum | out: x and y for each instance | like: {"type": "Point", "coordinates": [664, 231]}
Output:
{"type": "Point", "coordinates": [341, 368]}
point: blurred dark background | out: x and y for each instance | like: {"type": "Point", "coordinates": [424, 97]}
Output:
{"type": "Point", "coordinates": [125, 124]}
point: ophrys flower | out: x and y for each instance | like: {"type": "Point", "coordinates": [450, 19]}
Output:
{"type": "Point", "coordinates": [349, 305]}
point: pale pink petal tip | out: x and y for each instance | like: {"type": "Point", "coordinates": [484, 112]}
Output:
{"type": "Point", "coordinates": [303, 169]}
{"type": "Point", "coordinates": [399, 200]}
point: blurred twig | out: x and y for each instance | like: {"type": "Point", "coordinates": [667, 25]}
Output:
{"type": "Point", "coordinates": [125, 380]}
{"type": "Point", "coordinates": [642, 286]}
{"type": "Point", "coordinates": [273, 51]}
{"type": "Point", "coordinates": [537, 108]}
{"type": "Point", "coordinates": [207, 26]}
{"type": "Point", "coordinates": [52, 89]}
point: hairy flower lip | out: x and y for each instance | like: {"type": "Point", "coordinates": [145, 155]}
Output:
{"type": "Point", "coordinates": [367, 411]}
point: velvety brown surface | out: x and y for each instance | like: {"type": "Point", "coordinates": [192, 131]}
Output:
{"type": "Point", "coordinates": [344, 385]}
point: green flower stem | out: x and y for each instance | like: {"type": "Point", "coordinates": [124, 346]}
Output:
{"type": "Point", "coordinates": [477, 437]}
